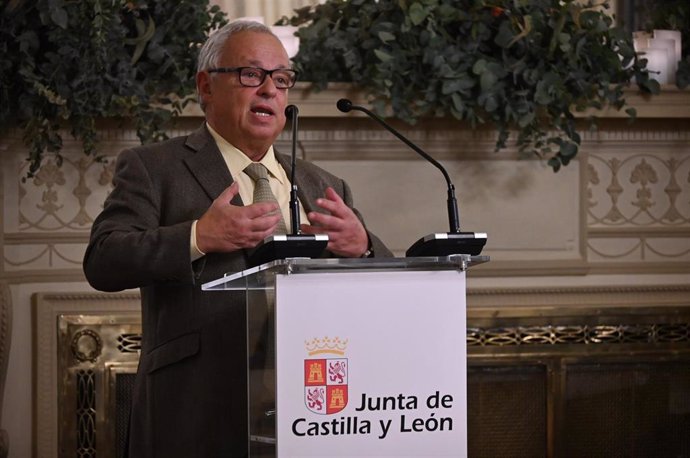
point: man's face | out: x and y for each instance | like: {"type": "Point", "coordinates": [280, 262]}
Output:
{"type": "Point", "coordinates": [250, 118]}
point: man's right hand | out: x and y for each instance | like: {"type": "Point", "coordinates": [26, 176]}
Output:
{"type": "Point", "coordinates": [226, 227]}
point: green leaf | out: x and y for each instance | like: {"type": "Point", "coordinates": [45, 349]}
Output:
{"type": "Point", "coordinates": [386, 36]}
{"type": "Point", "coordinates": [568, 150]}
{"type": "Point", "coordinates": [554, 163]}
{"type": "Point", "coordinates": [505, 35]}
{"type": "Point", "coordinates": [479, 67]}
{"type": "Point", "coordinates": [526, 119]}
{"type": "Point", "coordinates": [59, 16]}
{"type": "Point", "coordinates": [458, 104]}
{"type": "Point", "coordinates": [652, 86]}
{"type": "Point", "coordinates": [487, 80]}
{"type": "Point", "coordinates": [417, 13]}
{"type": "Point", "coordinates": [491, 104]}
{"type": "Point", "coordinates": [541, 96]}
{"type": "Point", "coordinates": [383, 56]}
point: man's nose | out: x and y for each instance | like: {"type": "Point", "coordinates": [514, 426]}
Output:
{"type": "Point", "coordinates": [268, 87]}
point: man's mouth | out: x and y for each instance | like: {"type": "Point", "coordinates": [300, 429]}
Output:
{"type": "Point", "coordinates": [262, 111]}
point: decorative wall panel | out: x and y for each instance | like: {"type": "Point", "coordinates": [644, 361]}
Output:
{"type": "Point", "coordinates": [638, 198]}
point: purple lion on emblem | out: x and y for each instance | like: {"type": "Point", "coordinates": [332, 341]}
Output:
{"type": "Point", "coordinates": [315, 398]}
{"type": "Point", "coordinates": [336, 371]}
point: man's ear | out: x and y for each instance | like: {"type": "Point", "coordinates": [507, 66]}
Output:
{"type": "Point", "coordinates": [203, 85]}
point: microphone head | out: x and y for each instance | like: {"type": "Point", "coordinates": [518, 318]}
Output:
{"type": "Point", "coordinates": [291, 110]}
{"type": "Point", "coordinates": [344, 105]}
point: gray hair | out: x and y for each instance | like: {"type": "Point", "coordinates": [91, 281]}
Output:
{"type": "Point", "coordinates": [210, 52]}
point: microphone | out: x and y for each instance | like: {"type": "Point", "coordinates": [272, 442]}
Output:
{"type": "Point", "coordinates": [292, 112]}
{"type": "Point", "coordinates": [437, 244]}
{"type": "Point", "coordinates": [295, 244]}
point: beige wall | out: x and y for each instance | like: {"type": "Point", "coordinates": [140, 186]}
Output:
{"type": "Point", "coordinates": [270, 10]}
{"type": "Point", "coordinates": [617, 218]}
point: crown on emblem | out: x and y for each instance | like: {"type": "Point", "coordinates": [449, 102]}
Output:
{"type": "Point", "coordinates": [318, 346]}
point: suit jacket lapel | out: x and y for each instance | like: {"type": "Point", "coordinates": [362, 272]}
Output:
{"type": "Point", "coordinates": [207, 164]}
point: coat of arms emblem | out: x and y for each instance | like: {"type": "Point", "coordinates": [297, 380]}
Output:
{"type": "Point", "coordinates": [326, 376]}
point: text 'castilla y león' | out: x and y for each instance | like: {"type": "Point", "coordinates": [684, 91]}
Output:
{"type": "Point", "coordinates": [407, 422]}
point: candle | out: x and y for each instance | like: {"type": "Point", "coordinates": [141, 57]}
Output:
{"type": "Point", "coordinates": [677, 41]}
{"type": "Point", "coordinates": [669, 47]}
{"type": "Point", "coordinates": [657, 63]}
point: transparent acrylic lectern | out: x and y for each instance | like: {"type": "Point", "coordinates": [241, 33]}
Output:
{"type": "Point", "coordinates": [303, 313]}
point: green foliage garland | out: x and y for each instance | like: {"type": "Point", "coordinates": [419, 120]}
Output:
{"type": "Point", "coordinates": [69, 63]}
{"type": "Point", "coordinates": [524, 65]}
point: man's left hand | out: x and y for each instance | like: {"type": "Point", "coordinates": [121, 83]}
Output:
{"type": "Point", "coordinates": [346, 234]}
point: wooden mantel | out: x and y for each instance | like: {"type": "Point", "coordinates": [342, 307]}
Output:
{"type": "Point", "coordinates": [670, 103]}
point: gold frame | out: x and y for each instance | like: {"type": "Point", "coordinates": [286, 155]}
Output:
{"type": "Point", "coordinates": [553, 338]}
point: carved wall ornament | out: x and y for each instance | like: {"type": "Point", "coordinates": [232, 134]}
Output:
{"type": "Point", "coordinates": [638, 207]}
{"type": "Point", "coordinates": [86, 345]}
{"type": "Point", "coordinates": [129, 343]}
{"type": "Point", "coordinates": [638, 190]}
{"type": "Point", "coordinates": [57, 198]}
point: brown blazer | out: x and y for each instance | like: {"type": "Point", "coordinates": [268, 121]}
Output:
{"type": "Point", "coordinates": [189, 398]}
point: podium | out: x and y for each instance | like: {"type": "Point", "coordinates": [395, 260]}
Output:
{"type": "Point", "coordinates": [356, 357]}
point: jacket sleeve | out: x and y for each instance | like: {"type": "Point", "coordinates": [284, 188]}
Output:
{"type": "Point", "coordinates": [129, 248]}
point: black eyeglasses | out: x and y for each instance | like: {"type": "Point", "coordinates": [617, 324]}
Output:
{"type": "Point", "coordinates": [283, 78]}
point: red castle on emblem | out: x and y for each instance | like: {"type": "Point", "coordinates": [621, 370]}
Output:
{"type": "Point", "coordinates": [326, 375]}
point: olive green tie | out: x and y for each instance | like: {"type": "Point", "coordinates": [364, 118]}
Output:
{"type": "Point", "coordinates": [262, 190]}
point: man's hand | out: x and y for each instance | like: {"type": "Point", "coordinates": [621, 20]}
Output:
{"type": "Point", "coordinates": [346, 234]}
{"type": "Point", "coordinates": [226, 227]}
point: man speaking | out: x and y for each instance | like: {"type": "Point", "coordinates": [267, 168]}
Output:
{"type": "Point", "coordinates": [183, 212]}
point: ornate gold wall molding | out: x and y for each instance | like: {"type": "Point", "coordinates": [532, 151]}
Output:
{"type": "Point", "coordinates": [47, 307]}
{"type": "Point", "coordinates": [568, 300]}
{"type": "Point", "coordinates": [514, 327]}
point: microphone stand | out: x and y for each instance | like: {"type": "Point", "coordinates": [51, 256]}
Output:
{"type": "Point", "coordinates": [292, 112]}
{"type": "Point", "coordinates": [437, 244]}
{"type": "Point", "coordinates": [296, 244]}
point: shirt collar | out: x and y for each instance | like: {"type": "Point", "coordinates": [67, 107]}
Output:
{"type": "Point", "coordinates": [236, 160]}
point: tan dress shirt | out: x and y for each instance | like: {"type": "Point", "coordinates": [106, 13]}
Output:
{"type": "Point", "coordinates": [236, 161]}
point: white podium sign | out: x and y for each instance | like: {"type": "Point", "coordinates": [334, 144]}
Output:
{"type": "Point", "coordinates": [371, 364]}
